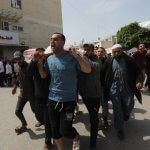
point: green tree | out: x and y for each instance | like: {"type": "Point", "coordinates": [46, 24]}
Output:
{"type": "Point", "coordinates": [131, 35]}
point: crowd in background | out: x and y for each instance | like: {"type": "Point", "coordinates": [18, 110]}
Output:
{"type": "Point", "coordinates": [8, 72]}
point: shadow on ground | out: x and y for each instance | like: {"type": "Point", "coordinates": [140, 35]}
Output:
{"type": "Point", "coordinates": [137, 134]}
{"type": "Point", "coordinates": [33, 135]}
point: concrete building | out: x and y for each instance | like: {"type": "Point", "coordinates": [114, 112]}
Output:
{"type": "Point", "coordinates": [28, 24]}
{"type": "Point", "coordinates": [107, 43]}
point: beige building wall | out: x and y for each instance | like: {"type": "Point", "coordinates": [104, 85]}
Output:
{"type": "Point", "coordinates": [39, 19]}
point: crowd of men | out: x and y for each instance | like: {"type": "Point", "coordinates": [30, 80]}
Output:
{"type": "Point", "coordinates": [8, 71]}
{"type": "Point", "coordinates": [52, 82]}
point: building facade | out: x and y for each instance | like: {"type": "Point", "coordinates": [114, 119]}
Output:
{"type": "Point", "coordinates": [28, 24]}
{"type": "Point", "coordinates": [107, 43]}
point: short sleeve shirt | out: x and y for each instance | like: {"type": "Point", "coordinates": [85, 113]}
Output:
{"type": "Point", "coordinates": [63, 73]}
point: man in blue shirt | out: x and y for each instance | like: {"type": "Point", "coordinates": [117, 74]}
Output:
{"type": "Point", "coordinates": [62, 68]}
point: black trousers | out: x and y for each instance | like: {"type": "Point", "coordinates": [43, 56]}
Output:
{"type": "Point", "coordinates": [92, 105]}
{"type": "Point", "coordinates": [47, 124]}
{"type": "Point", "coordinates": [39, 108]}
{"type": "Point", "coordinates": [41, 114]}
{"type": "Point", "coordinates": [2, 79]}
{"type": "Point", "coordinates": [61, 118]}
{"type": "Point", "coordinates": [20, 105]}
{"type": "Point", "coordinates": [9, 79]}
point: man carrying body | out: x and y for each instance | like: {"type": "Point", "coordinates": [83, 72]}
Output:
{"type": "Point", "coordinates": [41, 95]}
{"type": "Point", "coordinates": [62, 68]}
{"type": "Point", "coordinates": [91, 92]}
{"type": "Point", "coordinates": [122, 80]}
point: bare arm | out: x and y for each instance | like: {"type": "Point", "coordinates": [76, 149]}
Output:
{"type": "Point", "coordinates": [84, 64]}
{"type": "Point", "coordinates": [39, 59]}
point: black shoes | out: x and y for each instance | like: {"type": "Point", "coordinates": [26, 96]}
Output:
{"type": "Point", "coordinates": [105, 125]}
{"type": "Point", "coordinates": [126, 117]}
{"type": "Point", "coordinates": [120, 134]}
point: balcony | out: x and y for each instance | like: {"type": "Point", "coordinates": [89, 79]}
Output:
{"type": "Point", "coordinates": [11, 15]}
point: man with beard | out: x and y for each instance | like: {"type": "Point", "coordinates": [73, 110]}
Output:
{"type": "Point", "coordinates": [62, 68]}
{"type": "Point", "coordinates": [147, 69]}
{"type": "Point", "coordinates": [139, 57]}
{"type": "Point", "coordinates": [101, 53]}
{"type": "Point", "coordinates": [90, 90]}
{"type": "Point", "coordinates": [25, 82]}
{"type": "Point", "coordinates": [122, 80]}
{"type": "Point", "coordinates": [41, 95]}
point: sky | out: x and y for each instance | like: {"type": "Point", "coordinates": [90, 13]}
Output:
{"type": "Point", "coordinates": [89, 20]}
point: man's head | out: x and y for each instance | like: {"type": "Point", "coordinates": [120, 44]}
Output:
{"type": "Point", "coordinates": [101, 52]}
{"type": "Point", "coordinates": [116, 50]}
{"type": "Point", "coordinates": [141, 47]}
{"type": "Point", "coordinates": [18, 57]}
{"type": "Point", "coordinates": [57, 42]}
{"type": "Point", "coordinates": [8, 61]}
{"type": "Point", "coordinates": [95, 50]}
{"type": "Point", "coordinates": [88, 49]}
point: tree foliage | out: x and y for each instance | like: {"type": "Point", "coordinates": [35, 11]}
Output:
{"type": "Point", "coordinates": [131, 35]}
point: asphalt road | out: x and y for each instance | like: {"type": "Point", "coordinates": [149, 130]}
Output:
{"type": "Point", "coordinates": [137, 129]}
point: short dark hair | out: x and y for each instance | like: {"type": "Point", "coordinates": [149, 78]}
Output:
{"type": "Point", "coordinates": [40, 49]}
{"type": "Point", "coordinates": [102, 48]}
{"type": "Point", "coordinates": [86, 45]}
{"type": "Point", "coordinates": [62, 36]}
{"type": "Point", "coordinates": [92, 47]}
{"type": "Point", "coordinates": [141, 43]}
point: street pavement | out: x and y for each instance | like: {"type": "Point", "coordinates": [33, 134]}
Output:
{"type": "Point", "coordinates": [137, 129]}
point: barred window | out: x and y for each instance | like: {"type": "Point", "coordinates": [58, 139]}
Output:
{"type": "Point", "coordinates": [16, 4]}
{"type": "Point", "coordinates": [5, 25]}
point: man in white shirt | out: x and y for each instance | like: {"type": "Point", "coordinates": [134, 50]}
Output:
{"type": "Point", "coordinates": [1, 73]}
{"type": "Point", "coordinates": [9, 73]}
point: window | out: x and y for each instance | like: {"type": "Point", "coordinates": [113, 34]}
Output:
{"type": "Point", "coordinates": [5, 26]}
{"type": "Point", "coordinates": [16, 4]}
{"type": "Point", "coordinates": [17, 28]}
{"type": "Point", "coordinates": [20, 28]}
{"type": "Point", "coordinates": [14, 28]}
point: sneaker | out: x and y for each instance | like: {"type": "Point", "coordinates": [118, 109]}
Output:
{"type": "Point", "coordinates": [76, 144]}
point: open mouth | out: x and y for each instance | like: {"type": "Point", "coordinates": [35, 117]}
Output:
{"type": "Point", "coordinates": [52, 46]}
